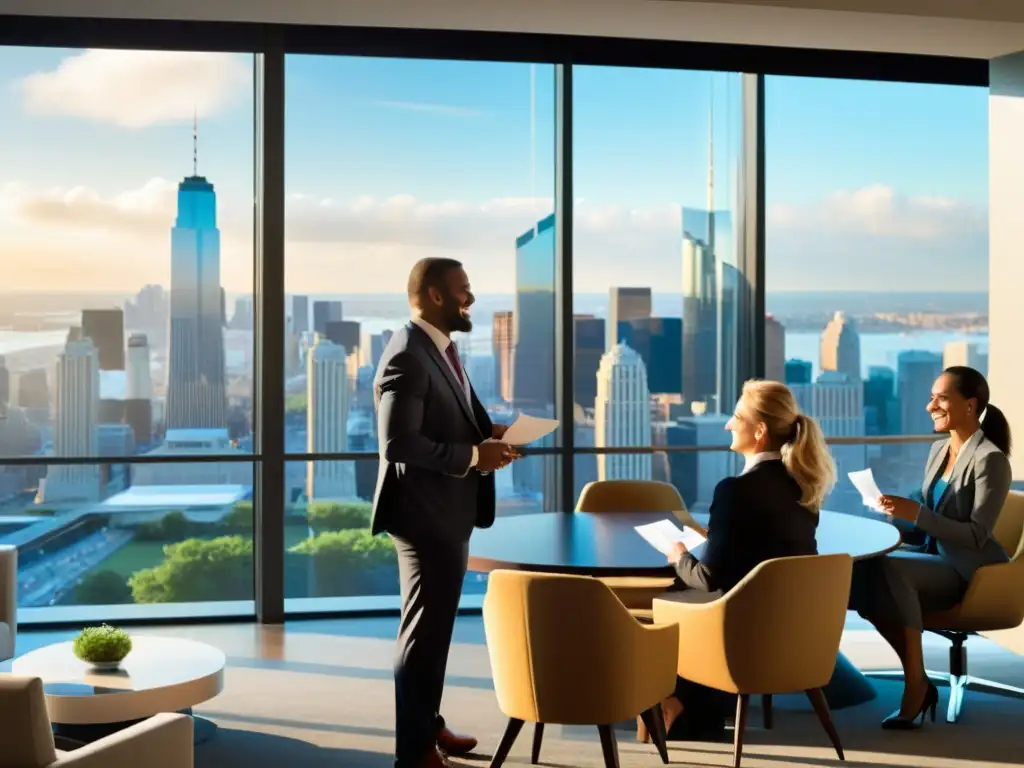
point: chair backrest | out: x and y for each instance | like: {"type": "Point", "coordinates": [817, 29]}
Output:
{"type": "Point", "coordinates": [629, 496]}
{"type": "Point", "coordinates": [1009, 528]}
{"type": "Point", "coordinates": [552, 639]}
{"type": "Point", "coordinates": [8, 600]}
{"type": "Point", "coordinates": [26, 739]}
{"type": "Point", "coordinates": [784, 621]}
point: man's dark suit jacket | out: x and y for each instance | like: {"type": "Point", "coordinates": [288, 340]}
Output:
{"type": "Point", "coordinates": [426, 433]}
{"type": "Point", "coordinates": [755, 517]}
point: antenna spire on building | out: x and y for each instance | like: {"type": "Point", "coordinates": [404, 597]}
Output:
{"type": "Point", "coordinates": [711, 149]}
{"type": "Point", "coordinates": [195, 142]}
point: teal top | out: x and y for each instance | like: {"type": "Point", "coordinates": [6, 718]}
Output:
{"type": "Point", "coordinates": [936, 491]}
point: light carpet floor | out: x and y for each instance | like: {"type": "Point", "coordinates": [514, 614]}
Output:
{"type": "Point", "coordinates": [320, 693]}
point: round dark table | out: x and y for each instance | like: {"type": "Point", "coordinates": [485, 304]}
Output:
{"type": "Point", "coordinates": [606, 544]}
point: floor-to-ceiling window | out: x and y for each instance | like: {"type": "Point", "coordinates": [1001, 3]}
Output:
{"type": "Point", "coordinates": [389, 161]}
{"type": "Point", "coordinates": [126, 343]}
{"type": "Point", "coordinates": [656, 274]}
{"type": "Point", "coordinates": [877, 259]}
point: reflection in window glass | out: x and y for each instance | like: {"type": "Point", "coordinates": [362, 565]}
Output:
{"type": "Point", "coordinates": [877, 265]}
{"type": "Point", "coordinates": [657, 278]}
{"type": "Point", "coordinates": [390, 161]}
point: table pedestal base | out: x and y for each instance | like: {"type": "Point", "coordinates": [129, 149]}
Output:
{"type": "Point", "coordinates": [71, 737]}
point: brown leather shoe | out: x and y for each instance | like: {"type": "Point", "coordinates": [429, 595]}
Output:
{"type": "Point", "coordinates": [435, 758]}
{"type": "Point", "coordinates": [451, 744]}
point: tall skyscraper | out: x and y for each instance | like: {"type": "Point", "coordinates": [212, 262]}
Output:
{"type": "Point", "coordinates": [840, 347]}
{"type": "Point", "coordinates": [588, 341]}
{"type": "Point", "coordinates": [659, 342]}
{"type": "Point", "coordinates": [106, 329]}
{"type": "Point", "coordinates": [881, 413]}
{"type": "Point", "coordinates": [727, 337]}
{"type": "Point", "coordinates": [76, 422]}
{"type": "Point", "coordinates": [344, 333]}
{"type": "Point", "coordinates": [622, 414]}
{"type": "Point", "coordinates": [837, 402]}
{"type": "Point", "coordinates": [967, 353]}
{"type": "Point", "coordinates": [774, 349]}
{"type": "Point", "coordinates": [139, 389]}
{"type": "Point", "coordinates": [533, 368]}
{"type": "Point", "coordinates": [5, 387]}
{"type": "Point", "coordinates": [378, 343]}
{"type": "Point", "coordinates": [625, 304]}
{"type": "Point", "coordinates": [325, 312]}
{"type": "Point", "coordinates": [327, 410]}
{"type": "Point", "coordinates": [710, 301]}
{"type": "Point", "coordinates": [798, 372]}
{"type": "Point", "coordinates": [300, 314]}
{"type": "Point", "coordinates": [503, 346]}
{"type": "Point", "coordinates": [196, 384]}
{"type": "Point", "coordinates": [696, 473]}
{"type": "Point", "coordinates": [916, 371]}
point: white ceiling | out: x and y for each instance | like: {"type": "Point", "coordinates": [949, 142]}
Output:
{"type": "Point", "coordinates": [996, 27]}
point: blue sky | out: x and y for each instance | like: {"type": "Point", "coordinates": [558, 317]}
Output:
{"type": "Point", "coordinates": [389, 160]}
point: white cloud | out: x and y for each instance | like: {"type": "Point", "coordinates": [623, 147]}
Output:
{"type": "Point", "coordinates": [877, 239]}
{"type": "Point", "coordinates": [880, 211]}
{"type": "Point", "coordinates": [135, 89]}
{"type": "Point", "coordinates": [852, 240]}
{"type": "Point", "coordinates": [143, 211]}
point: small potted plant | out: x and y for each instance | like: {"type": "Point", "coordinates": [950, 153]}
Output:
{"type": "Point", "coordinates": [104, 647]}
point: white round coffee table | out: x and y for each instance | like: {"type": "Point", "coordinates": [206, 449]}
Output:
{"type": "Point", "coordinates": [159, 675]}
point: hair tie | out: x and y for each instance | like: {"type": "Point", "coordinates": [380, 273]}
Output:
{"type": "Point", "coordinates": [795, 432]}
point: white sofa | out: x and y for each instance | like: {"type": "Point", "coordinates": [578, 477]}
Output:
{"type": "Point", "coordinates": [26, 739]}
{"type": "Point", "coordinates": [8, 601]}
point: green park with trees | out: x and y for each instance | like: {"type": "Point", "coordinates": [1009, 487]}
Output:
{"type": "Point", "coordinates": [329, 553]}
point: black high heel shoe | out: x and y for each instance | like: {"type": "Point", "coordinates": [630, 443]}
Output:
{"type": "Point", "coordinates": [897, 722]}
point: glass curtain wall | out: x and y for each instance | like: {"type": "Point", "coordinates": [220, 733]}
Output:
{"type": "Point", "coordinates": [129, 320]}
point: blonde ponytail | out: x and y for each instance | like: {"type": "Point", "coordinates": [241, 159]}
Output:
{"type": "Point", "coordinates": [810, 462]}
{"type": "Point", "coordinates": [797, 436]}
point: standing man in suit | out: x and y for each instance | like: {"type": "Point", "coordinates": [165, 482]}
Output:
{"type": "Point", "coordinates": [438, 450]}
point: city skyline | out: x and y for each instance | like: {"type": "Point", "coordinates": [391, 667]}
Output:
{"type": "Point", "coordinates": [409, 157]}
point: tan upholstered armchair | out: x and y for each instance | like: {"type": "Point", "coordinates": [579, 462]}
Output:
{"type": "Point", "coordinates": [564, 650]}
{"type": "Point", "coordinates": [994, 600]}
{"type": "Point", "coordinates": [26, 739]}
{"type": "Point", "coordinates": [775, 632]}
{"type": "Point", "coordinates": [8, 601]}
{"type": "Point", "coordinates": [636, 593]}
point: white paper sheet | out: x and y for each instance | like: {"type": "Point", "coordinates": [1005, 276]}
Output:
{"type": "Point", "coordinates": [864, 481]}
{"type": "Point", "coordinates": [664, 533]}
{"type": "Point", "coordinates": [528, 429]}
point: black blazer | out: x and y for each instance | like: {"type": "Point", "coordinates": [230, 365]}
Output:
{"type": "Point", "coordinates": [426, 432]}
{"type": "Point", "coordinates": [755, 517]}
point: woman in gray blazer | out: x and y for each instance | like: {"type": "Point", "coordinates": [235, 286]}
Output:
{"type": "Point", "coordinates": [966, 481]}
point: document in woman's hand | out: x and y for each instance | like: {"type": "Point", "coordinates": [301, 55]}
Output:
{"type": "Point", "coordinates": [864, 481]}
{"type": "Point", "coordinates": [663, 534]}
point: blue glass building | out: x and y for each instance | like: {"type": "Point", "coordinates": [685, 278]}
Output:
{"type": "Point", "coordinates": [659, 341]}
{"type": "Point", "coordinates": [196, 387]}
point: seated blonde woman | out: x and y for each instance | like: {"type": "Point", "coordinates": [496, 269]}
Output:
{"type": "Point", "coordinates": [769, 510]}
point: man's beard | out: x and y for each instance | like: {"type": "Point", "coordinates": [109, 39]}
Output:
{"type": "Point", "coordinates": [457, 322]}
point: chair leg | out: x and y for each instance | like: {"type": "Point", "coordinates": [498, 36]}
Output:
{"type": "Point", "coordinates": [507, 740]}
{"type": "Point", "coordinates": [653, 718]}
{"type": "Point", "coordinates": [742, 710]}
{"type": "Point", "coordinates": [538, 737]}
{"type": "Point", "coordinates": [609, 746]}
{"type": "Point", "coordinates": [820, 704]}
{"type": "Point", "coordinates": [768, 719]}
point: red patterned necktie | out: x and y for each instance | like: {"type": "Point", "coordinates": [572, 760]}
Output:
{"type": "Point", "coordinates": [453, 358]}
